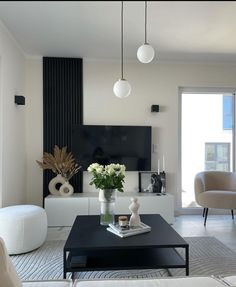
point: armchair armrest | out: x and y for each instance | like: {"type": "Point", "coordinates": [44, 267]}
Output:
{"type": "Point", "coordinates": [199, 185]}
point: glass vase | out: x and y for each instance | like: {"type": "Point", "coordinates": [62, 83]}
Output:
{"type": "Point", "coordinates": [107, 211]}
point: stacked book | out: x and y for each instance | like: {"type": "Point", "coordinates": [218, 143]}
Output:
{"type": "Point", "coordinates": [129, 231]}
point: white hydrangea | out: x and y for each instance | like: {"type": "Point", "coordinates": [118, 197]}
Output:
{"type": "Point", "coordinates": [110, 169]}
{"type": "Point", "coordinates": [99, 169]}
{"type": "Point", "coordinates": [107, 177]}
{"type": "Point", "coordinates": [93, 166]}
{"type": "Point", "coordinates": [122, 169]}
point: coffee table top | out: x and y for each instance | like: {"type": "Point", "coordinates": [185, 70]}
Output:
{"type": "Point", "coordinates": [87, 233]}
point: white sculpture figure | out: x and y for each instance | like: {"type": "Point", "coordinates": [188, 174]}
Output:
{"type": "Point", "coordinates": [134, 218]}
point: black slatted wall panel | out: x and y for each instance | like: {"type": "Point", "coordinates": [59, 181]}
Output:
{"type": "Point", "coordinates": [62, 107]}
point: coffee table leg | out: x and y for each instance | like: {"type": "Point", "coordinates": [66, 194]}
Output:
{"type": "Point", "coordinates": [64, 264]}
{"type": "Point", "coordinates": [187, 260]}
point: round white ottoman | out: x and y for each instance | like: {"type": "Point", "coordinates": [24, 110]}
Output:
{"type": "Point", "coordinates": [23, 227]}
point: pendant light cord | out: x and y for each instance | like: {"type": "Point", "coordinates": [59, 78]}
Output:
{"type": "Point", "coordinates": [145, 23]}
{"type": "Point", "coordinates": [122, 44]}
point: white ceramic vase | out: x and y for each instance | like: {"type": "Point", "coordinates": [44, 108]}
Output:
{"type": "Point", "coordinates": [53, 182]}
{"type": "Point", "coordinates": [66, 189]}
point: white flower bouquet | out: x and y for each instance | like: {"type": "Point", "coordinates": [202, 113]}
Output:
{"type": "Point", "coordinates": [107, 177]}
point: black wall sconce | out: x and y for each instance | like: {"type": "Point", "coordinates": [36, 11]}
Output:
{"type": "Point", "coordinates": [155, 108]}
{"type": "Point", "coordinates": [19, 100]}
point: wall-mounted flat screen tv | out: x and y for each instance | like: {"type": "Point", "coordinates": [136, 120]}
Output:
{"type": "Point", "coordinates": [128, 145]}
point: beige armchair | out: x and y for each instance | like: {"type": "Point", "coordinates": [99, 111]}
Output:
{"type": "Point", "coordinates": [215, 189]}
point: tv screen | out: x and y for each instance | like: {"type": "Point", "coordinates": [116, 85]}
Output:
{"type": "Point", "coordinates": [128, 145]}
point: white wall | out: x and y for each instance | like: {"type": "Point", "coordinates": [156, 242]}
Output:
{"type": "Point", "coordinates": [34, 129]}
{"type": "Point", "coordinates": [12, 122]}
{"type": "Point", "coordinates": [151, 84]}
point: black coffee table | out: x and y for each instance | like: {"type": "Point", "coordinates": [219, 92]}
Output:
{"type": "Point", "coordinates": [91, 247]}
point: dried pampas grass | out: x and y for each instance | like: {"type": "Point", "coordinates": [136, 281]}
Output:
{"type": "Point", "coordinates": [61, 162]}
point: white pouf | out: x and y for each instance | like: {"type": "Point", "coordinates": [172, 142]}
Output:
{"type": "Point", "coordinates": [23, 227]}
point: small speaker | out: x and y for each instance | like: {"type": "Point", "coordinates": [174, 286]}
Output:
{"type": "Point", "coordinates": [20, 100]}
{"type": "Point", "coordinates": [155, 108]}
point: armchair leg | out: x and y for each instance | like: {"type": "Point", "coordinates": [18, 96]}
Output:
{"type": "Point", "coordinates": [206, 213]}
{"type": "Point", "coordinates": [203, 213]}
{"type": "Point", "coordinates": [232, 212]}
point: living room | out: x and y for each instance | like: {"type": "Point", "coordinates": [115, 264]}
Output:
{"type": "Point", "coordinates": [194, 48]}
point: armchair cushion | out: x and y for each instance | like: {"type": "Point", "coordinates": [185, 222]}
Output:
{"type": "Point", "coordinates": [223, 199]}
{"type": "Point", "coordinates": [49, 283]}
{"type": "Point", "coordinates": [165, 282]}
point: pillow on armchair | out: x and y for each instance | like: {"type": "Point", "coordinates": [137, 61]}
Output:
{"type": "Point", "coordinates": [8, 275]}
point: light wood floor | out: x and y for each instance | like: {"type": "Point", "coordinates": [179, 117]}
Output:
{"type": "Point", "coordinates": [220, 226]}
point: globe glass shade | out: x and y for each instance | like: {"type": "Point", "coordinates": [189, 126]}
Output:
{"type": "Point", "coordinates": [122, 88]}
{"type": "Point", "coordinates": [145, 53]}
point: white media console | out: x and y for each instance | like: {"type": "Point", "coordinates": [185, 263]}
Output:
{"type": "Point", "coordinates": [62, 211]}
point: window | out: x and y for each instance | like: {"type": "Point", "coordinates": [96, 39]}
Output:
{"type": "Point", "coordinates": [217, 156]}
{"type": "Point", "coordinates": [227, 112]}
{"type": "Point", "coordinates": [207, 136]}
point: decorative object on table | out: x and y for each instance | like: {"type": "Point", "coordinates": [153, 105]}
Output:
{"type": "Point", "coordinates": [134, 230]}
{"type": "Point", "coordinates": [107, 179]}
{"type": "Point", "coordinates": [150, 181]}
{"type": "Point", "coordinates": [123, 221]}
{"type": "Point", "coordinates": [63, 164]}
{"type": "Point", "coordinates": [134, 218]}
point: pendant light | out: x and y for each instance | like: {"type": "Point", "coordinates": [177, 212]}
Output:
{"type": "Point", "coordinates": [145, 52]}
{"type": "Point", "coordinates": [122, 87]}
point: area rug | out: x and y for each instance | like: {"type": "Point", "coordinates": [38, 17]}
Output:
{"type": "Point", "coordinates": [208, 256]}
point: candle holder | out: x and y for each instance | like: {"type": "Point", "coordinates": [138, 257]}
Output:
{"type": "Point", "coordinates": [163, 180]}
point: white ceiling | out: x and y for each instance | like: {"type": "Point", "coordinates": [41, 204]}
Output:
{"type": "Point", "coordinates": [178, 30]}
